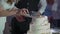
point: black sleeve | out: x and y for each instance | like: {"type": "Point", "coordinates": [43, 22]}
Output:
{"type": "Point", "coordinates": [17, 5]}
{"type": "Point", "coordinates": [12, 22]}
{"type": "Point", "coordinates": [28, 19]}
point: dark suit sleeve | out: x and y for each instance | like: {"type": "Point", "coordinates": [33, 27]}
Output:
{"type": "Point", "coordinates": [28, 19]}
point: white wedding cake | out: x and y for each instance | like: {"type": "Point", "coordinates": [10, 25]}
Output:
{"type": "Point", "coordinates": [40, 26]}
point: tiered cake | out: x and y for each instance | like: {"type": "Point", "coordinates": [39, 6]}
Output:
{"type": "Point", "coordinates": [40, 26]}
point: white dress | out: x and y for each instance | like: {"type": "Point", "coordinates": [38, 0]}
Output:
{"type": "Point", "coordinates": [3, 19]}
{"type": "Point", "coordinates": [40, 26]}
{"type": "Point", "coordinates": [2, 24]}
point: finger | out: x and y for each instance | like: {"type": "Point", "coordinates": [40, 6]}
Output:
{"type": "Point", "coordinates": [26, 10]}
{"type": "Point", "coordinates": [23, 11]}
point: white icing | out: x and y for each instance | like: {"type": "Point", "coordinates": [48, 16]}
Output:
{"type": "Point", "coordinates": [40, 26]}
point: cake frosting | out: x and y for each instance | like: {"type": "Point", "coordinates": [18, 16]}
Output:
{"type": "Point", "coordinates": [40, 26]}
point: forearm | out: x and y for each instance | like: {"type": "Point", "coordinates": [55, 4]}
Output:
{"type": "Point", "coordinates": [54, 6]}
{"type": "Point", "coordinates": [43, 4]}
{"type": "Point", "coordinates": [7, 13]}
{"type": "Point", "coordinates": [4, 13]}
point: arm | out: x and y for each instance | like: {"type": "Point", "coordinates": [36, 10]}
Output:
{"type": "Point", "coordinates": [44, 4]}
{"type": "Point", "coordinates": [6, 13]}
{"type": "Point", "coordinates": [54, 6]}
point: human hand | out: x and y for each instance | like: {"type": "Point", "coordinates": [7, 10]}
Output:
{"type": "Point", "coordinates": [13, 12]}
{"type": "Point", "coordinates": [22, 12]}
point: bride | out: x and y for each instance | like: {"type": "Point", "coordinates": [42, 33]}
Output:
{"type": "Point", "coordinates": [5, 10]}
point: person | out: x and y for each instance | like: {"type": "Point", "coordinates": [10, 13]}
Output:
{"type": "Point", "coordinates": [4, 12]}
{"type": "Point", "coordinates": [20, 24]}
{"type": "Point", "coordinates": [56, 14]}
{"type": "Point", "coordinates": [3, 19]}
{"type": "Point", "coordinates": [48, 10]}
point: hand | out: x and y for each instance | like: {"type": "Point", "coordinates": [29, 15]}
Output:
{"type": "Point", "coordinates": [23, 12]}
{"type": "Point", "coordinates": [20, 14]}
{"type": "Point", "coordinates": [13, 12]}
